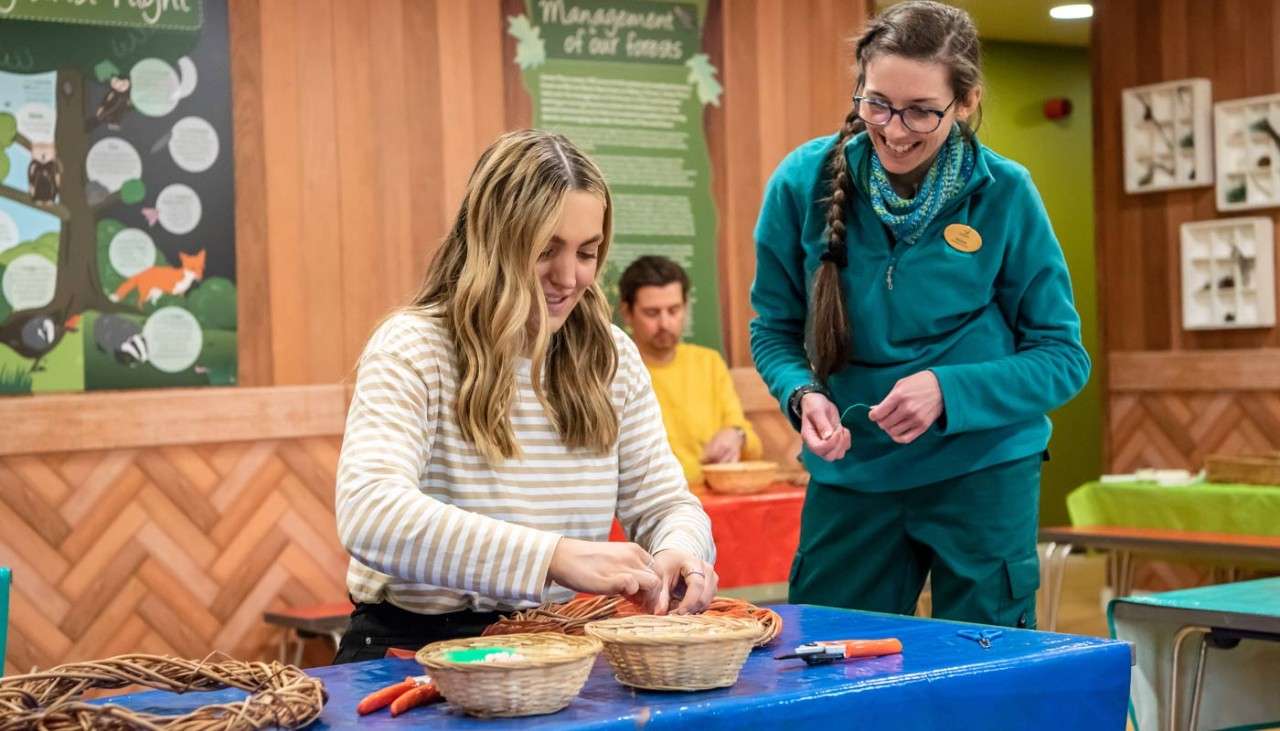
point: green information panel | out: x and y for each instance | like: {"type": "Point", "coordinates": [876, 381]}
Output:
{"type": "Point", "coordinates": [627, 82]}
{"type": "Point", "coordinates": [117, 196]}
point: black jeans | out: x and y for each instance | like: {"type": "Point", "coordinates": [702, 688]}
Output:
{"type": "Point", "coordinates": [375, 628]}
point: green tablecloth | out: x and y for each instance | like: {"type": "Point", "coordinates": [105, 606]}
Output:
{"type": "Point", "coordinates": [1213, 508]}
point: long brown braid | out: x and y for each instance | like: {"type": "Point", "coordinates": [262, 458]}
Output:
{"type": "Point", "coordinates": [921, 30]}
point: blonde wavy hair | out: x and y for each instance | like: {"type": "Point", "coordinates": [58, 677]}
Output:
{"type": "Point", "coordinates": [483, 282]}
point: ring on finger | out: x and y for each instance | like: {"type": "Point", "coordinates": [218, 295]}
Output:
{"type": "Point", "coordinates": [687, 574]}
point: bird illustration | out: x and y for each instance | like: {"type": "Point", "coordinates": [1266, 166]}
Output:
{"type": "Point", "coordinates": [115, 103]}
{"type": "Point", "coordinates": [35, 339]}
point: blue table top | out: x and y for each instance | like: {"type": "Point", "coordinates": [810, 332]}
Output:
{"type": "Point", "coordinates": [1025, 679]}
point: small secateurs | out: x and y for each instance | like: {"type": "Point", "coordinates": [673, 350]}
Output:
{"type": "Point", "coordinates": [818, 653]}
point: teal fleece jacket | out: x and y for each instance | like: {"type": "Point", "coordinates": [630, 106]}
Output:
{"type": "Point", "coordinates": [998, 326]}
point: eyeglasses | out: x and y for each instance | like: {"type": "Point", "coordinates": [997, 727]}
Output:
{"type": "Point", "coordinates": [917, 119]}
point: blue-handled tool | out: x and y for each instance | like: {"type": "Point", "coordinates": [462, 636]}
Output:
{"type": "Point", "coordinates": [983, 637]}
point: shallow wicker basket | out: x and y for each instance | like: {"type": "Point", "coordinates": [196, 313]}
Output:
{"type": "Point", "coordinates": [692, 652]}
{"type": "Point", "coordinates": [552, 673]}
{"type": "Point", "coordinates": [740, 478]}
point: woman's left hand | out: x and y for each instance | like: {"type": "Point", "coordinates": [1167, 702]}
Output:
{"type": "Point", "coordinates": [684, 577]}
{"type": "Point", "coordinates": [910, 408]}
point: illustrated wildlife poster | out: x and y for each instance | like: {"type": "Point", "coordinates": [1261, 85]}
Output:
{"type": "Point", "coordinates": [627, 81]}
{"type": "Point", "coordinates": [117, 196]}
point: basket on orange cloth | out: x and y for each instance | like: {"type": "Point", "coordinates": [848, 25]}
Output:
{"type": "Point", "coordinates": [684, 652]}
{"type": "Point", "coordinates": [570, 617]}
{"type": "Point", "coordinates": [547, 674]}
{"type": "Point", "coordinates": [740, 478]}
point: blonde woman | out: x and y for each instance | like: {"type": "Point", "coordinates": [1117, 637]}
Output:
{"type": "Point", "coordinates": [501, 422]}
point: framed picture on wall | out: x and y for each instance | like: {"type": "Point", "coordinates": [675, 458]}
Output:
{"type": "Point", "coordinates": [1228, 278]}
{"type": "Point", "coordinates": [1166, 136]}
{"type": "Point", "coordinates": [1247, 137]}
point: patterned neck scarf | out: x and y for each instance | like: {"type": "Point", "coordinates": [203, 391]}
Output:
{"type": "Point", "coordinates": [908, 217]}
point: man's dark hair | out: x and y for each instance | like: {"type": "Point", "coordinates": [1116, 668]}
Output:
{"type": "Point", "coordinates": [651, 271]}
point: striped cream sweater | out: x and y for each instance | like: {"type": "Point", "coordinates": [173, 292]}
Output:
{"type": "Point", "coordinates": [432, 526]}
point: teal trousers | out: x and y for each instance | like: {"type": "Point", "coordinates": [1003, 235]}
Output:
{"type": "Point", "coordinates": [976, 533]}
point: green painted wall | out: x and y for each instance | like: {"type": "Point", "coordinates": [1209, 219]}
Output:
{"type": "Point", "coordinates": [1059, 154]}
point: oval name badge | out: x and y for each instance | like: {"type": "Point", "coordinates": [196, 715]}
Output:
{"type": "Point", "coordinates": [962, 238]}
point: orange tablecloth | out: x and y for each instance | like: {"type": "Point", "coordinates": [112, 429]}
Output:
{"type": "Point", "coordinates": [756, 535]}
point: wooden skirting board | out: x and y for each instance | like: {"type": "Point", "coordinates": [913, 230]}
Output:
{"type": "Point", "coordinates": [1174, 408]}
{"type": "Point", "coordinates": [1195, 370]}
{"type": "Point", "coordinates": [156, 418]}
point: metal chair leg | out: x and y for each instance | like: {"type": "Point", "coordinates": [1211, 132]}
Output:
{"type": "Point", "coordinates": [1055, 568]}
{"type": "Point", "coordinates": [1124, 573]}
{"type": "Point", "coordinates": [298, 648]}
{"type": "Point", "coordinates": [1199, 684]}
{"type": "Point", "coordinates": [1172, 695]}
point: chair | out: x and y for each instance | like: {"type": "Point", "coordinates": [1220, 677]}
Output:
{"type": "Point", "coordinates": [303, 623]}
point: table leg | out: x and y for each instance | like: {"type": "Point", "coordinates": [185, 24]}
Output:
{"type": "Point", "coordinates": [1172, 695]}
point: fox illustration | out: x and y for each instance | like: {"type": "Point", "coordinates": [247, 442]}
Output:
{"type": "Point", "coordinates": [153, 282]}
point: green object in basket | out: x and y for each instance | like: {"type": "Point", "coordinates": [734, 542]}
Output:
{"type": "Point", "coordinates": [481, 654]}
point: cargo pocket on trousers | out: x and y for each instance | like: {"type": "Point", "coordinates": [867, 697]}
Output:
{"type": "Point", "coordinates": [1024, 579]}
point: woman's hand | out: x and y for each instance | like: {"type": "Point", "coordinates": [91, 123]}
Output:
{"type": "Point", "coordinates": [683, 577]}
{"type": "Point", "coordinates": [603, 567]}
{"type": "Point", "coordinates": [821, 429]}
{"type": "Point", "coordinates": [910, 408]}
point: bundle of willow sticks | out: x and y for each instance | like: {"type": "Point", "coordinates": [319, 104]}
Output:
{"type": "Point", "coordinates": [571, 616]}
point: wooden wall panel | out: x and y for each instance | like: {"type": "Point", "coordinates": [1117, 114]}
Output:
{"type": "Point", "coordinates": [357, 122]}
{"type": "Point", "coordinates": [1136, 42]}
{"type": "Point", "coordinates": [175, 550]}
{"type": "Point", "coordinates": [252, 282]}
{"type": "Point", "coordinates": [786, 70]}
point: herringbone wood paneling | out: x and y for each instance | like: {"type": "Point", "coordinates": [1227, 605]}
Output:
{"type": "Point", "coordinates": [174, 549]}
{"type": "Point", "coordinates": [1179, 428]}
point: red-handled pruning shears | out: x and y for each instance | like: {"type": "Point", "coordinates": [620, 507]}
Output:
{"type": "Point", "coordinates": [411, 693]}
{"type": "Point", "coordinates": [816, 653]}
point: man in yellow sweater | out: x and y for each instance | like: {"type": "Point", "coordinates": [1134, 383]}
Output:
{"type": "Point", "coordinates": [700, 409]}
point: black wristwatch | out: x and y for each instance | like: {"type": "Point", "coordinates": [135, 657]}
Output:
{"type": "Point", "coordinates": [793, 401]}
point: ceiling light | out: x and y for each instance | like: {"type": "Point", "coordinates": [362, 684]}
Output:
{"type": "Point", "coordinates": [1071, 12]}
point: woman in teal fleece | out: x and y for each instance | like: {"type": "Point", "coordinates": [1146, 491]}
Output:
{"type": "Point", "coordinates": [915, 320]}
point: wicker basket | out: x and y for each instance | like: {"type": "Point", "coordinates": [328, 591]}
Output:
{"type": "Point", "coordinates": [550, 675]}
{"type": "Point", "coordinates": [1248, 470]}
{"type": "Point", "coordinates": [693, 652]}
{"type": "Point", "coordinates": [740, 478]}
